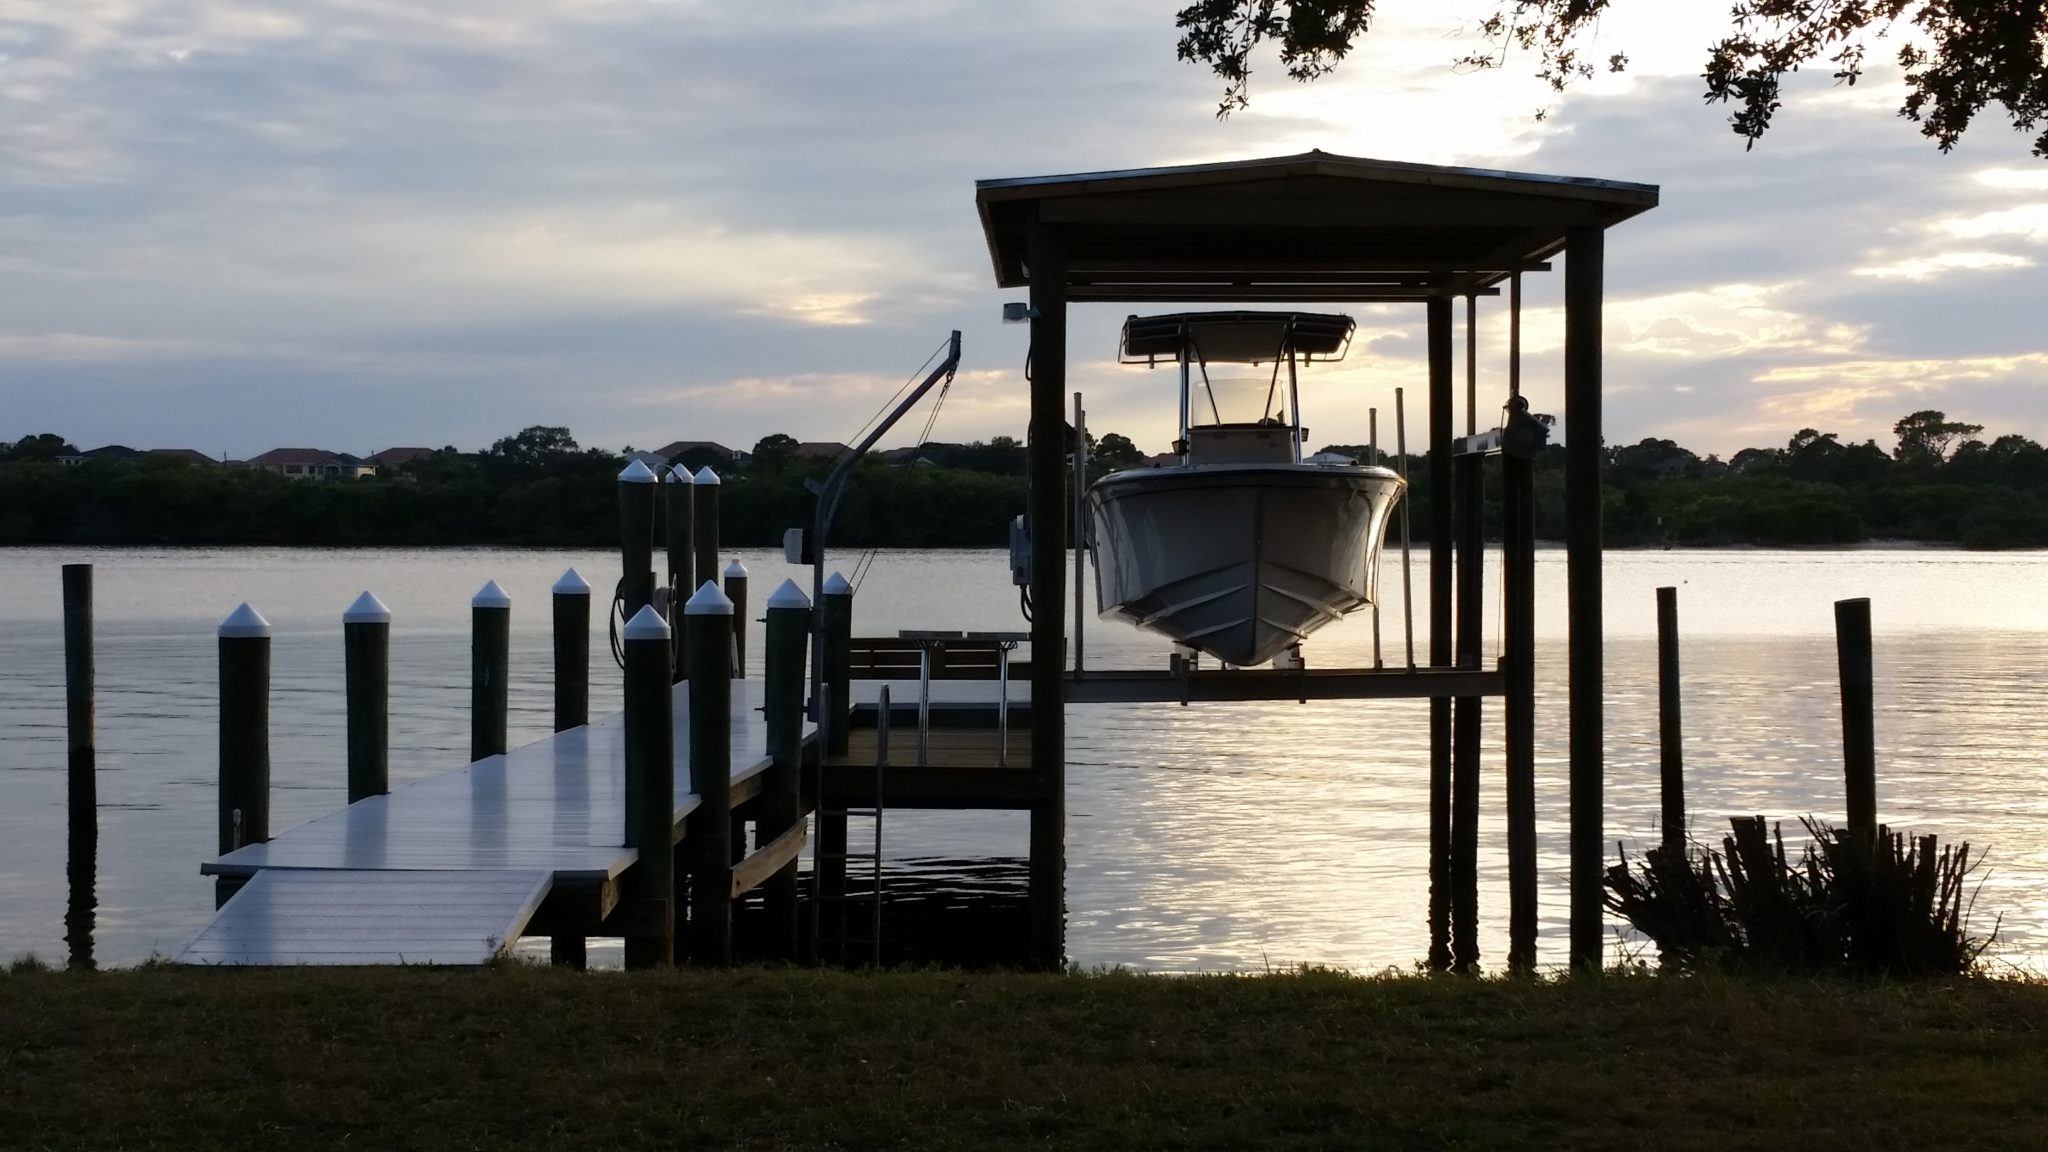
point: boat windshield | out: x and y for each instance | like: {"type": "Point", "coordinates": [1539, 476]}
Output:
{"type": "Point", "coordinates": [1237, 400]}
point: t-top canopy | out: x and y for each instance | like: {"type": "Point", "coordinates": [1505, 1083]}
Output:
{"type": "Point", "coordinates": [1316, 226]}
{"type": "Point", "coordinates": [1236, 337]}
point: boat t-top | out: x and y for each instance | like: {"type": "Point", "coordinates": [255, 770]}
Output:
{"type": "Point", "coordinates": [1241, 548]}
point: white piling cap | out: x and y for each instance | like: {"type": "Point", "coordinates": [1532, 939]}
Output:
{"type": "Point", "coordinates": [244, 623]}
{"type": "Point", "coordinates": [637, 472]}
{"type": "Point", "coordinates": [647, 624]}
{"type": "Point", "coordinates": [491, 596]}
{"type": "Point", "coordinates": [367, 610]}
{"type": "Point", "coordinates": [788, 596]}
{"type": "Point", "coordinates": [708, 601]}
{"type": "Point", "coordinates": [836, 585]}
{"type": "Point", "coordinates": [735, 569]}
{"type": "Point", "coordinates": [572, 583]}
{"type": "Point", "coordinates": [706, 476]}
{"type": "Point", "coordinates": [675, 475]}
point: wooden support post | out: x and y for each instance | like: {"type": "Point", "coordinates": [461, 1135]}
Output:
{"type": "Point", "coordinates": [366, 656]}
{"type": "Point", "coordinates": [704, 527]}
{"type": "Point", "coordinates": [1670, 728]}
{"type": "Point", "coordinates": [1584, 253]}
{"type": "Point", "coordinates": [244, 735]}
{"type": "Point", "coordinates": [678, 493]}
{"type": "Point", "coordinates": [836, 608]}
{"type": "Point", "coordinates": [1518, 627]}
{"type": "Point", "coordinates": [636, 538]}
{"type": "Point", "coordinates": [490, 670]}
{"type": "Point", "coordinates": [1441, 529]}
{"type": "Point", "coordinates": [1046, 503]}
{"type": "Point", "coordinates": [82, 826]}
{"type": "Point", "coordinates": [650, 792]}
{"type": "Point", "coordinates": [708, 616]}
{"type": "Point", "coordinates": [572, 651]}
{"type": "Point", "coordinates": [736, 591]}
{"type": "Point", "coordinates": [1467, 716]}
{"type": "Point", "coordinates": [782, 708]}
{"type": "Point", "coordinates": [1859, 714]}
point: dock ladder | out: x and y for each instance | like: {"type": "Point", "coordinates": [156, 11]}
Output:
{"type": "Point", "coordinates": [837, 939]}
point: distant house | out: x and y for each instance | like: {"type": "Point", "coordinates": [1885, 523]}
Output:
{"type": "Point", "coordinates": [820, 450]}
{"type": "Point", "coordinates": [1163, 460]}
{"type": "Point", "coordinates": [1328, 458]}
{"type": "Point", "coordinates": [188, 455]}
{"type": "Point", "coordinates": [110, 452]}
{"type": "Point", "coordinates": [312, 464]}
{"type": "Point", "coordinates": [703, 448]}
{"type": "Point", "coordinates": [392, 459]}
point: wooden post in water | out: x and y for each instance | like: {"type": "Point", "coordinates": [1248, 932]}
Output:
{"type": "Point", "coordinates": [1518, 630]}
{"type": "Point", "coordinates": [678, 493]}
{"type": "Point", "coordinates": [490, 670]}
{"type": "Point", "coordinates": [82, 828]}
{"type": "Point", "coordinates": [1585, 249]}
{"type": "Point", "coordinates": [1442, 526]}
{"type": "Point", "coordinates": [1859, 714]}
{"type": "Point", "coordinates": [1670, 728]}
{"type": "Point", "coordinates": [736, 591]}
{"type": "Point", "coordinates": [1046, 508]}
{"type": "Point", "coordinates": [782, 707]}
{"type": "Point", "coordinates": [1466, 715]}
{"type": "Point", "coordinates": [636, 538]}
{"type": "Point", "coordinates": [708, 616]}
{"type": "Point", "coordinates": [244, 735]}
{"type": "Point", "coordinates": [366, 656]}
{"type": "Point", "coordinates": [572, 651]}
{"type": "Point", "coordinates": [704, 527]}
{"type": "Point", "coordinates": [836, 607]}
{"type": "Point", "coordinates": [650, 792]}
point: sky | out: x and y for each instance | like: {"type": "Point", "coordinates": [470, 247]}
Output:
{"type": "Point", "coordinates": [234, 226]}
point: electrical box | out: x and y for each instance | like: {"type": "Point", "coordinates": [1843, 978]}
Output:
{"type": "Point", "coordinates": [1020, 552]}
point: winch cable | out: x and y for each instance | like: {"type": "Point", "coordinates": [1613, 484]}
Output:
{"type": "Point", "coordinates": [867, 557]}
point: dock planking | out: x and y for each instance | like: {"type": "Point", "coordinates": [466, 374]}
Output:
{"type": "Point", "coordinates": [552, 809]}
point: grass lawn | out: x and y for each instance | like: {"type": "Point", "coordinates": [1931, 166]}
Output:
{"type": "Point", "coordinates": [773, 1058]}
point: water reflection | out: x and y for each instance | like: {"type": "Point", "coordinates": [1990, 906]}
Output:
{"type": "Point", "coordinates": [1223, 836]}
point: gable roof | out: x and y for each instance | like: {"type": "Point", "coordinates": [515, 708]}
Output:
{"type": "Point", "coordinates": [1315, 226]}
{"type": "Point", "coordinates": [280, 456]}
{"type": "Point", "coordinates": [398, 456]}
{"type": "Point", "coordinates": [673, 450]}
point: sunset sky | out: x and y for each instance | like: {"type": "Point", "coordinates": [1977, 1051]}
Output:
{"type": "Point", "coordinates": [351, 225]}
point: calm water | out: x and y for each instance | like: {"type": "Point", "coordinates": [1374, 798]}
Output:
{"type": "Point", "coordinates": [1213, 837]}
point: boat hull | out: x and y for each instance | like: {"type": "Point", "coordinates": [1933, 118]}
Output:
{"type": "Point", "coordinates": [1239, 561]}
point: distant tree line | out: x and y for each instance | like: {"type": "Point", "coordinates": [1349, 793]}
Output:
{"type": "Point", "coordinates": [1941, 482]}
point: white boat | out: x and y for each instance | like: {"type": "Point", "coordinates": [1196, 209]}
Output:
{"type": "Point", "coordinates": [1240, 549]}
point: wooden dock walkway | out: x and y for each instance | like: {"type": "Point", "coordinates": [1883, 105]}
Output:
{"type": "Point", "coordinates": [531, 842]}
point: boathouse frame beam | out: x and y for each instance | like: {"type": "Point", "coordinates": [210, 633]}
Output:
{"type": "Point", "coordinates": [1047, 504]}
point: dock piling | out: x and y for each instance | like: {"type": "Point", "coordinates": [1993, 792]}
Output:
{"type": "Point", "coordinates": [679, 539]}
{"type": "Point", "coordinates": [708, 616]}
{"type": "Point", "coordinates": [704, 528]}
{"type": "Point", "coordinates": [244, 734]}
{"type": "Point", "coordinates": [366, 656]}
{"type": "Point", "coordinates": [572, 651]}
{"type": "Point", "coordinates": [781, 803]}
{"type": "Point", "coordinates": [836, 610]}
{"type": "Point", "coordinates": [1670, 729]}
{"type": "Point", "coordinates": [636, 538]}
{"type": "Point", "coordinates": [82, 828]}
{"type": "Point", "coordinates": [649, 791]}
{"type": "Point", "coordinates": [1859, 719]}
{"type": "Point", "coordinates": [490, 669]}
{"type": "Point", "coordinates": [736, 591]}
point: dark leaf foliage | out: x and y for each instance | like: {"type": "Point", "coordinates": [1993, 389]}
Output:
{"type": "Point", "coordinates": [1959, 57]}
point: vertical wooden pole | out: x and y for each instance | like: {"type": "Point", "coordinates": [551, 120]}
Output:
{"type": "Point", "coordinates": [1859, 714]}
{"type": "Point", "coordinates": [704, 526]}
{"type": "Point", "coordinates": [1518, 625]}
{"type": "Point", "coordinates": [736, 591]}
{"type": "Point", "coordinates": [650, 792]}
{"type": "Point", "coordinates": [678, 492]}
{"type": "Point", "coordinates": [244, 735]}
{"type": "Point", "coordinates": [1046, 262]}
{"type": "Point", "coordinates": [1080, 515]}
{"type": "Point", "coordinates": [82, 828]}
{"type": "Point", "coordinates": [636, 538]}
{"type": "Point", "coordinates": [835, 607]}
{"type": "Point", "coordinates": [490, 670]}
{"type": "Point", "coordinates": [1584, 455]}
{"type": "Point", "coordinates": [1441, 529]}
{"type": "Point", "coordinates": [1466, 717]}
{"type": "Point", "coordinates": [782, 708]}
{"type": "Point", "coordinates": [1670, 726]}
{"type": "Point", "coordinates": [366, 654]}
{"type": "Point", "coordinates": [708, 616]}
{"type": "Point", "coordinates": [572, 651]}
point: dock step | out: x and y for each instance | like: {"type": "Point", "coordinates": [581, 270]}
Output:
{"type": "Point", "coordinates": [343, 916]}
